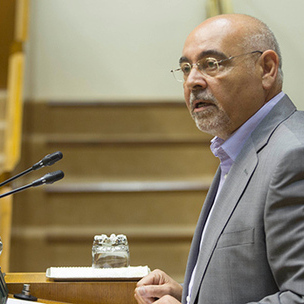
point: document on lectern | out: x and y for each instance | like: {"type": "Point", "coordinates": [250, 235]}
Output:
{"type": "Point", "coordinates": [90, 273]}
{"type": "Point", "coordinates": [17, 301]}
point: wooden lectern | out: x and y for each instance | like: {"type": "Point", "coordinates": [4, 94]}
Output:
{"type": "Point", "coordinates": [80, 292]}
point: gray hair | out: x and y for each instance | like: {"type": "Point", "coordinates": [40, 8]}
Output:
{"type": "Point", "coordinates": [262, 38]}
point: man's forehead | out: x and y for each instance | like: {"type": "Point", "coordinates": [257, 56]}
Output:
{"type": "Point", "coordinates": [206, 53]}
{"type": "Point", "coordinates": [215, 46]}
{"type": "Point", "coordinates": [219, 40]}
{"type": "Point", "coordinates": [214, 27]}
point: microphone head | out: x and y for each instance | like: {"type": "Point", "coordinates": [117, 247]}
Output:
{"type": "Point", "coordinates": [48, 160]}
{"type": "Point", "coordinates": [53, 177]}
{"type": "Point", "coordinates": [51, 159]}
{"type": "Point", "coordinates": [48, 178]}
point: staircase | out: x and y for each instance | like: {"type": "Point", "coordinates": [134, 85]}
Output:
{"type": "Point", "coordinates": [137, 168]}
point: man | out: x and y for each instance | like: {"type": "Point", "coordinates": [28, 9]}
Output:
{"type": "Point", "coordinates": [248, 246]}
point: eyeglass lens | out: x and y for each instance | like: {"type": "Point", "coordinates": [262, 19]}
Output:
{"type": "Point", "coordinates": [207, 66]}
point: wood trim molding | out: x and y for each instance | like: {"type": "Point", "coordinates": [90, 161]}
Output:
{"type": "Point", "coordinates": [86, 234]}
{"type": "Point", "coordinates": [130, 186]}
{"type": "Point", "coordinates": [114, 102]}
{"type": "Point", "coordinates": [92, 139]}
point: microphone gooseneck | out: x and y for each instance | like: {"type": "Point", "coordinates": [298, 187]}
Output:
{"type": "Point", "coordinates": [48, 178]}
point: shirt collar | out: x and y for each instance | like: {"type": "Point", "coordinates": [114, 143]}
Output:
{"type": "Point", "coordinates": [233, 145]}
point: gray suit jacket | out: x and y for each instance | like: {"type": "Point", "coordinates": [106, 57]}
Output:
{"type": "Point", "coordinates": [253, 250]}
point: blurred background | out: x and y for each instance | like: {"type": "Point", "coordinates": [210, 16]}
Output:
{"type": "Point", "coordinates": [92, 79]}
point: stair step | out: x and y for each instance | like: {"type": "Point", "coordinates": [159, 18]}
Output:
{"type": "Point", "coordinates": [130, 186]}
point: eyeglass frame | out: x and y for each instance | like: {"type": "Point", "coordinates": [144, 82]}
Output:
{"type": "Point", "coordinates": [217, 62]}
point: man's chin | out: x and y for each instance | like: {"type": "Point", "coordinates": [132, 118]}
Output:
{"type": "Point", "coordinates": [214, 127]}
{"type": "Point", "coordinates": [205, 127]}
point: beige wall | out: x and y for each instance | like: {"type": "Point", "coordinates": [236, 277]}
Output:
{"type": "Point", "coordinates": [101, 49]}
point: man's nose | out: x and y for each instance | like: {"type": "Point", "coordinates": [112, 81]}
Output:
{"type": "Point", "coordinates": [195, 78]}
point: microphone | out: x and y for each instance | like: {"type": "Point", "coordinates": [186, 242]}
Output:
{"type": "Point", "coordinates": [48, 178]}
{"type": "Point", "coordinates": [48, 160]}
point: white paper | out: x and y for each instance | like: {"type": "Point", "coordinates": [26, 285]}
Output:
{"type": "Point", "coordinates": [17, 301]}
{"type": "Point", "coordinates": [97, 273]}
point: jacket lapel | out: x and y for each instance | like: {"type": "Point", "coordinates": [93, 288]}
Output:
{"type": "Point", "coordinates": [227, 201]}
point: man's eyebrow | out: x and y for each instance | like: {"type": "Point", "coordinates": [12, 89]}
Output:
{"type": "Point", "coordinates": [205, 54]}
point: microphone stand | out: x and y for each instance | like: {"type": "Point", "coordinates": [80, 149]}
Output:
{"type": "Point", "coordinates": [15, 177]}
{"type": "Point", "coordinates": [48, 160]}
{"type": "Point", "coordinates": [16, 190]}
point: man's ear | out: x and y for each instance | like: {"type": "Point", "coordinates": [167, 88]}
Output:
{"type": "Point", "coordinates": [269, 61]}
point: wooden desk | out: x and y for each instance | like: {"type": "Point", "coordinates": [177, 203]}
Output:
{"type": "Point", "coordinates": [84, 292]}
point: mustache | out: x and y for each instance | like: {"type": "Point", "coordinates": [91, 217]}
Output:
{"type": "Point", "coordinates": [203, 96]}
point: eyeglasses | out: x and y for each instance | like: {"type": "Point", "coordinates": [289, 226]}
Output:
{"type": "Point", "coordinates": [207, 66]}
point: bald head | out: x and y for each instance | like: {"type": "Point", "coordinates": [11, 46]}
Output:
{"type": "Point", "coordinates": [244, 31]}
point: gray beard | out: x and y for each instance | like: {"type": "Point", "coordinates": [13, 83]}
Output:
{"type": "Point", "coordinates": [217, 125]}
{"type": "Point", "coordinates": [214, 120]}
